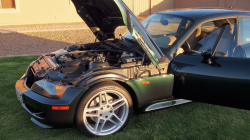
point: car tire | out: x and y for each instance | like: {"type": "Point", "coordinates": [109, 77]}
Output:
{"type": "Point", "coordinates": [96, 118]}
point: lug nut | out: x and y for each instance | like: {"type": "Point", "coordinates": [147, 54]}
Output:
{"type": "Point", "coordinates": [111, 111]}
{"type": "Point", "coordinates": [101, 108]}
{"type": "Point", "coordinates": [100, 114]}
{"type": "Point", "coordinates": [106, 116]}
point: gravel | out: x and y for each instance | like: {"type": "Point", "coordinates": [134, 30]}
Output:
{"type": "Point", "coordinates": [40, 39]}
{"type": "Point", "coordinates": [44, 42]}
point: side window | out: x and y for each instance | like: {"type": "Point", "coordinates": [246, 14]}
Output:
{"type": "Point", "coordinates": [231, 41]}
{"type": "Point", "coordinates": [207, 42]}
{"type": "Point", "coordinates": [206, 36]}
{"type": "Point", "coordinates": [244, 30]}
{"type": "Point", "coordinates": [228, 41]}
{"type": "Point", "coordinates": [208, 27]}
{"type": "Point", "coordinates": [243, 50]}
{"type": "Point", "coordinates": [211, 32]}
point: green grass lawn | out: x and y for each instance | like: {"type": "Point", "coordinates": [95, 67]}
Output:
{"type": "Point", "coordinates": [190, 121]}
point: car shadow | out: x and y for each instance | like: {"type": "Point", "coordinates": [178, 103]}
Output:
{"type": "Point", "coordinates": [44, 42]}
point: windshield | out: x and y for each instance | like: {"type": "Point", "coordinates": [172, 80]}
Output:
{"type": "Point", "coordinates": [164, 29]}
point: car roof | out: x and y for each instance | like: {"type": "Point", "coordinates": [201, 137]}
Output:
{"type": "Point", "coordinates": [198, 13]}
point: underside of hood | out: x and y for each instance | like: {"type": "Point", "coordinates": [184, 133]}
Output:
{"type": "Point", "coordinates": [102, 16]}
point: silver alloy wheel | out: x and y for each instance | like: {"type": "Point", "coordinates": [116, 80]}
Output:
{"type": "Point", "coordinates": [106, 112]}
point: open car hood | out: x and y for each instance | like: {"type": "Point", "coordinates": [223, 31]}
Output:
{"type": "Point", "coordinates": [103, 16]}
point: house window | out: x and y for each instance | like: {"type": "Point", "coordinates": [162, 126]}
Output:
{"type": "Point", "coordinates": [9, 6]}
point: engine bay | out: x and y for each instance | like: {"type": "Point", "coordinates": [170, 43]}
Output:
{"type": "Point", "coordinates": [112, 53]}
{"type": "Point", "coordinates": [68, 65]}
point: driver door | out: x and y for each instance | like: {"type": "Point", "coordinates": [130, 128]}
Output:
{"type": "Point", "coordinates": [220, 74]}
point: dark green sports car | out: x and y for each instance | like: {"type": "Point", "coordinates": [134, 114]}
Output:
{"type": "Point", "coordinates": [171, 58]}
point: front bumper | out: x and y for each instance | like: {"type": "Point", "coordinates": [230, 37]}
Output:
{"type": "Point", "coordinates": [40, 107]}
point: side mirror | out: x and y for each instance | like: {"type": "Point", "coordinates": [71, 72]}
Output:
{"type": "Point", "coordinates": [207, 55]}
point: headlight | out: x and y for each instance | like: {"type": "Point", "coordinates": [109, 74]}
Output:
{"type": "Point", "coordinates": [49, 89]}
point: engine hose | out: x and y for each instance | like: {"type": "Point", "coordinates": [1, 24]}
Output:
{"type": "Point", "coordinates": [159, 71]}
{"type": "Point", "coordinates": [139, 75]}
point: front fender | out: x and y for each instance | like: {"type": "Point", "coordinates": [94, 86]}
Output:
{"type": "Point", "coordinates": [89, 81]}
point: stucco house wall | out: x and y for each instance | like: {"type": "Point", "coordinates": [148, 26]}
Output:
{"type": "Point", "coordinates": [239, 4]}
{"type": "Point", "coordinates": [63, 11]}
{"type": "Point", "coordinates": [39, 12]}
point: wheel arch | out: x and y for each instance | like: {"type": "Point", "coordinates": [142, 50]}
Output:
{"type": "Point", "coordinates": [126, 86]}
{"type": "Point", "coordinates": [131, 93]}
{"type": "Point", "coordinates": [92, 80]}
{"type": "Point", "coordinates": [121, 81]}
{"type": "Point", "coordinates": [85, 98]}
